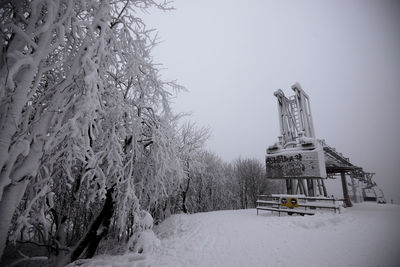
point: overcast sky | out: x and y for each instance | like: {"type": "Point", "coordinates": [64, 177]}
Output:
{"type": "Point", "coordinates": [232, 55]}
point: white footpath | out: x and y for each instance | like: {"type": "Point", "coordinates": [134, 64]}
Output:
{"type": "Point", "coordinates": [367, 234]}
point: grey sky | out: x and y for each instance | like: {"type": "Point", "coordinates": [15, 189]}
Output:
{"type": "Point", "coordinates": [232, 56]}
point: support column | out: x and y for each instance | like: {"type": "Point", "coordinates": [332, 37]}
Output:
{"type": "Point", "coordinates": [353, 187]}
{"type": "Point", "coordinates": [319, 185]}
{"type": "Point", "coordinates": [300, 185]}
{"type": "Point", "coordinates": [310, 187]}
{"type": "Point", "coordinates": [288, 186]}
{"type": "Point", "coordinates": [294, 186]}
{"type": "Point", "coordinates": [304, 187]}
{"type": "Point", "coordinates": [345, 190]}
{"type": "Point", "coordinates": [324, 188]}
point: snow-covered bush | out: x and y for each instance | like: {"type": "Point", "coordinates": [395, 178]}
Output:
{"type": "Point", "coordinates": [144, 242]}
{"type": "Point", "coordinates": [144, 239]}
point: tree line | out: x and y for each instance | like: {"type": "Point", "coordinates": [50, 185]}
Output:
{"type": "Point", "coordinates": [90, 150]}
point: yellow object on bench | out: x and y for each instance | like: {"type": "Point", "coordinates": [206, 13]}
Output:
{"type": "Point", "coordinates": [290, 202]}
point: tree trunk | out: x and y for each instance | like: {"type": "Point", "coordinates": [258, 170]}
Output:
{"type": "Point", "coordinates": [12, 196]}
{"type": "Point", "coordinates": [184, 194]}
{"type": "Point", "coordinates": [97, 230]}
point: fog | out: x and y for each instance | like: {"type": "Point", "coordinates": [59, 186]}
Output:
{"type": "Point", "coordinates": [232, 56]}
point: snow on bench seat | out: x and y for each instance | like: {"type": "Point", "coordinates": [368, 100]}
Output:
{"type": "Point", "coordinates": [302, 212]}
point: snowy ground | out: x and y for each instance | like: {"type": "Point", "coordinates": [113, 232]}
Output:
{"type": "Point", "coordinates": [366, 235]}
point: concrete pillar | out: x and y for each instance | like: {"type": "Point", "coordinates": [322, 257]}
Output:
{"type": "Point", "coordinates": [302, 187]}
{"type": "Point", "coordinates": [324, 188]}
{"type": "Point", "coordinates": [288, 186]}
{"type": "Point", "coordinates": [311, 187]}
{"type": "Point", "coordinates": [353, 187]}
{"type": "Point", "coordinates": [345, 190]}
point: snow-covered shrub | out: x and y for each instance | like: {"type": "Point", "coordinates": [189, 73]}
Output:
{"type": "Point", "coordinates": [144, 239]}
{"type": "Point", "coordinates": [143, 242]}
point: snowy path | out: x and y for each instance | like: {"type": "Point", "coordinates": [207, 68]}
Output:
{"type": "Point", "coordinates": [365, 235]}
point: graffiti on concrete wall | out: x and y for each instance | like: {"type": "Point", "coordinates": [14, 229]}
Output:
{"type": "Point", "coordinates": [296, 164]}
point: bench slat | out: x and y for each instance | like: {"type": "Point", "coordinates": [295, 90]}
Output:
{"type": "Point", "coordinates": [268, 202]}
{"type": "Point", "coordinates": [286, 210]}
{"type": "Point", "coordinates": [319, 205]}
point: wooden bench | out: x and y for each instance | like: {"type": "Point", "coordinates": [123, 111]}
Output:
{"type": "Point", "coordinates": [272, 203]}
{"type": "Point", "coordinates": [311, 202]}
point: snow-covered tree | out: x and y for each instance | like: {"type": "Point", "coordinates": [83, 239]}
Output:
{"type": "Point", "coordinates": [77, 87]}
{"type": "Point", "coordinates": [192, 140]}
{"type": "Point", "coordinates": [250, 175]}
{"type": "Point", "coordinates": [213, 186]}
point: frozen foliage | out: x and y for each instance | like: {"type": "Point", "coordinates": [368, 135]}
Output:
{"type": "Point", "coordinates": [146, 221]}
{"type": "Point", "coordinates": [83, 109]}
{"type": "Point", "coordinates": [191, 141]}
{"type": "Point", "coordinates": [143, 242]}
{"type": "Point", "coordinates": [250, 175]}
